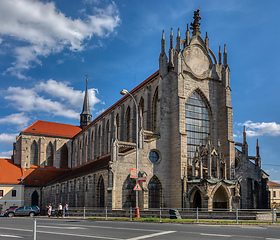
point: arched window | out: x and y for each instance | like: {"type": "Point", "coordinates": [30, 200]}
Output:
{"type": "Point", "coordinates": [141, 113]}
{"type": "Point", "coordinates": [49, 155]}
{"type": "Point", "coordinates": [34, 155]}
{"type": "Point", "coordinates": [154, 107]}
{"type": "Point", "coordinates": [35, 198]}
{"type": "Point", "coordinates": [154, 187]}
{"type": "Point", "coordinates": [99, 142]}
{"type": "Point", "coordinates": [197, 124]}
{"type": "Point", "coordinates": [101, 192]}
{"type": "Point", "coordinates": [118, 127]}
{"type": "Point", "coordinates": [127, 120]}
{"type": "Point", "coordinates": [107, 138]}
{"type": "Point", "coordinates": [85, 155]}
{"type": "Point", "coordinates": [92, 145]}
{"type": "Point", "coordinates": [64, 156]}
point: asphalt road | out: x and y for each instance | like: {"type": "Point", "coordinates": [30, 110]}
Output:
{"type": "Point", "coordinates": [69, 229]}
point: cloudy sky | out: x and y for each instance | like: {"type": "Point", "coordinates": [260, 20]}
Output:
{"type": "Point", "coordinates": [47, 48]}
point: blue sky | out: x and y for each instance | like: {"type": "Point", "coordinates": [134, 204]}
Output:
{"type": "Point", "coordinates": [47, 48]}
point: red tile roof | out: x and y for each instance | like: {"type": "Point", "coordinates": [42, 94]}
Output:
{"type": "Point", "coordinates": [273, 184]}
{"type": "Point", "coordinates": [53, 129]}
{"type": "Point", "coordinates": [11, 174]}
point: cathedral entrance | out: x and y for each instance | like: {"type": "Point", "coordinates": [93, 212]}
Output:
{"type": "Point", "coordinates": [197, 200]}
{"type": "Point", "coordinates": [220, 199]}
{"type": "Point", "coordinates": [154, 187]}
{"type": "Point", "coordinates": [128, 194]}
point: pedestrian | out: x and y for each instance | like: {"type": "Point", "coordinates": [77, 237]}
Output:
{"type": "Point", "coordinates": [66, 210]}
{"type": "Point", "coordinates": [53, 209]}
{"type": "Point", "coordinates": [49, 210]}
{"type": "Point", "coordinates": [59, 210]}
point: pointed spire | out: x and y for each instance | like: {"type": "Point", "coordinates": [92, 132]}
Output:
{"type": "Point", "coordinates": [85, 116]}
{"type": "Point", "coordinates": [244, 135]}
{"type": "Point", "coordinates": [163, 43]}
{"type": "Point", "coordinates": [187, 36]}
{"type": "Point", "coordinates": [195, 25]}
{"type": "Point", "coordinates": [220, 55]}
{"type": "Point", "coordinates": [207, 42]}
{"type": "Point", "coordinates": [171, 39]}
{"type": "Point", "coordinates": [257, 149]}
{"type": "Point", "coordinates": [178, 44]}
{"type": "Point", "coordinates": [225, 55]}
{"type": "Point", "coordinates": [171, 51]}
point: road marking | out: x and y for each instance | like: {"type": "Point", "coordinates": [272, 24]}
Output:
{"type": "Point", "coordinates": [11, 236]}
{"type": "Point", "coordinates": [215, 235]}
{"type": "Point", "coordinates": [63, 227]}
{"type": "Point", "coordinates": [151, 235]}
{"type": "Point", "coordinates": [272, 239]}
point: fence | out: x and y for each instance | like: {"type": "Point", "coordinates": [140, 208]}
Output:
{"type": "Point", "coordinates": [196, 214]}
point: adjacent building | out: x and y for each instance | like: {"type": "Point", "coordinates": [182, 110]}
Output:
{"type": "Point", "coordinates": [274, 189]}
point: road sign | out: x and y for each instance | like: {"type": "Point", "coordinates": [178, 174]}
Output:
{"type": "Point", "coordinates": [132, 172]}
{"type": "Point", "coordinates": [141, 179]}
{"type": "Point", "coordinates": [137, 187]}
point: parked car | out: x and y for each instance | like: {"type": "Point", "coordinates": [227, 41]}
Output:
{"type": "Point", "coordinates": [4, 214]}
{"type": "Point", "coordinates": [24, 211]}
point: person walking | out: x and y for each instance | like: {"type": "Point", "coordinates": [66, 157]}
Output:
{"type": "Point", "coordinates": [59, 210]}
{"type": "Point", "coordinates": [53, 209]}
{"type": "Point", "coordinates": [49, 210]}
{"type": "Point", "coordinates": [66, 210]}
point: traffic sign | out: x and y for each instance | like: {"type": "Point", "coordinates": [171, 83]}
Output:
{"type": "Point", "coordinates": [141, 179]}
{"type": "Point", "coordinates": [132, 172]}
{"type": "Point", "coordinates": [137, 187]}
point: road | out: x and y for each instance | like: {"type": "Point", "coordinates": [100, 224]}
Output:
{"type": "Point", "coordinates": [69, 229]}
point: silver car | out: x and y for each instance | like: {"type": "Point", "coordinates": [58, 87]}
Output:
{"type": "Point", "coordinates": [24, 211]}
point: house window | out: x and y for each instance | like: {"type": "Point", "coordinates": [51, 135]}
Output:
{"type": "Point", "coordinates": [197, 124]}
{"type": "Point", "coordinates": [274, 194]}
{"type": "Point", "coordinates": [14, 193]}
{"type": "Point", "coordinates": [1, 193]}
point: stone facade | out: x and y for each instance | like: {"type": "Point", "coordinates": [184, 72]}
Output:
{"type": "Point", "coordinates": [186, 150]}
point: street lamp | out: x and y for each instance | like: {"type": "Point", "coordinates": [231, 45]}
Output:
{"type": "Point", "coordinates": [124, 92]}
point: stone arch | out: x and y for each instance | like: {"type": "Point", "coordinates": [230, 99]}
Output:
{"type": "Point", "coordinates": [35, 198]}
{"type": "Point", "coordinates": [220, 197]}
{"type": "Point", "coordinates": [34, 154]}
{"type": "Point", "coordinates": [64, 156]}
{"type": "Point", "coordinates": [155, 193]}
{"type": "Point", "coordinates": [100, 192]}
{"type": "Point", "coordinates": [155, 111]}
{"type": "Point", "coordinates": [128, 194]}
{"type": "Point", "coordinates": [49, 155]}
{"type": "Point", "coordinates": [196, 198]}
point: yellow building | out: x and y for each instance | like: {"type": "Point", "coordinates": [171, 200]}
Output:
{"type": "Point", "coordinates": [274, 189]}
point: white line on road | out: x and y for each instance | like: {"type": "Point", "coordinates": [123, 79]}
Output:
{"type": "Point", "coordinates": [60, 227]}
{"type": "Point", "coordinates": [151, 235]}
{"type": "Point", "coordinates": [272, 239]}
{"type": "Point", "coordinates": [11, 236]}
{"type": "Point", "coordinates": [215, 235]}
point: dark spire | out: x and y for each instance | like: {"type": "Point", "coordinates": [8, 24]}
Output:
{"type": "Point", "coordinates": [195, 25]}
{"type": "Point", "coordinates": [85, 116]}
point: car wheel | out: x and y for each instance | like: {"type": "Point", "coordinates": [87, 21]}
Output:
{"type": "Point", "coordinates": [32, 214]}
{"type": "Point", "coordinates": [11, 214]}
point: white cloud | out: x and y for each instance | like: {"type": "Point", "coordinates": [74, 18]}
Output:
{"type": "Point", "coordinates": [40, 29]}
{"type": "Point", "coordinates": [6, 154]}
{"type": "Point", "coordinates": [64, 101]}
{"type": "Point", "coordinates": [7, 138]}
{"type": "Point", "coordinates": [19, 119]}
{"type": "Point", "coordinates": [259, 129]}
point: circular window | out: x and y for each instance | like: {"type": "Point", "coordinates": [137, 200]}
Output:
{"type": "Point", "coordinates": [153, 156]}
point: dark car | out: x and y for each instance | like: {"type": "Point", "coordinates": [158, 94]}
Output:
{"type": "Point", "coordinates": [24, 211]}
{"type": "Point", "coordinates": [5, 214]}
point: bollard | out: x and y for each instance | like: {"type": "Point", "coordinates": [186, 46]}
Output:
{"type": "Point", "coordinates": [34, 229]}
{"type": "Point", "coordinates": [130, 213]}
{"type": "Point", "coordinates": [106, 212]}
{"type": "Point", "coordinates": [237, 215]}
{"type": "Point", "coordinates": [84, 217]}
{"type": "Point", "coordinates": [197, 215]}
{"type": "Point", "coordinates": [273, 222]}
{"type": "Point", "coordinates": [160, 214]}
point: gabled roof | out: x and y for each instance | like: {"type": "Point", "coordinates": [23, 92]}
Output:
{"type": "Point", "coordinates": [52, 129]}
{"type": "Point", "coordinates": [11, 174]}
{"type": "Point", "coordinates": [273, 184]}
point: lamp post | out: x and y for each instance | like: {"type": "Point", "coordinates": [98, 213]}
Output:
{"type": "Point", "coordinates": [124, 92]}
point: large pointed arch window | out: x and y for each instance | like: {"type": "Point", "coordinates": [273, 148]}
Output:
{"type": "Point", "coordinates": [34, 155]}
{"type": "Point", "coordinates": [49, 155]}
{"type": "Point", "coordinates": [127, 124]}
{"type": "Point", "coordinates": [155, 101]}
{"type": "Point", "coordinates": [64, 156]}
{"type": "Point", "coordinates": [197, 124]}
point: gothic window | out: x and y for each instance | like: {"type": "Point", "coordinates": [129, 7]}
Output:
{"type": "Point", "coordinates": [154, 187]}
{"type": "Point", "coordinates": [101, 192]}
{"type": "Point", "coordinates": [155, 101]}
{"type": "Point", "coordinates": [64, 156]}
{"type": "Point", "coordinates": [92, 144]}
{"type": "Point", "coordinates": [197, 124]}
{"type": "Point", "coordinates": [34, 155]}
{"type": "Point", "coordinates": [107, 138]}
{"type": "Point", "coordinates": [49, 155]}
{"type": "Point", "coordinates": [118, 127]}
{"type": "Point", "coordinates": [99, 142]}
{"type": "Point", "coordinates": [127, 118]}
{"type": "Point", "coordinates": [141, 113]}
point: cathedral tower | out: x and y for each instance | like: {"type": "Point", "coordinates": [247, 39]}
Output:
{"type": "Point", "coordinates": [85, 116]}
